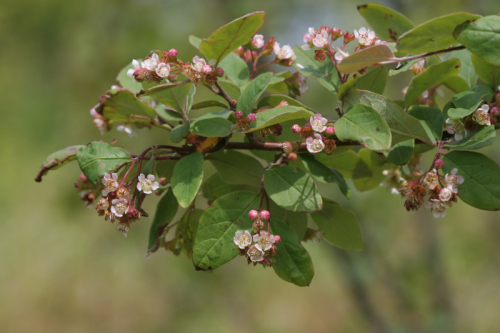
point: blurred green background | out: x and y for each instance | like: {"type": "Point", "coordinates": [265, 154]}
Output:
{"type": "Point", "coordinates": [63, 269]}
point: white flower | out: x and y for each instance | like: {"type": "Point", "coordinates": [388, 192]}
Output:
{"type": "Point", "coordinates": [131, 71]}
{"type": "Point", "coordinates": [163, 70]}
{"type": "Point", "coordinates": [431, 179]}
{"type": "Point", "coordinates": [102, 204]}
{"type": "Point", "coordinates": [198, 63]}
{"type": "Point", "coordinates": [258, 41]}
{"type": "Point", "coordinates": [482, 115]}
{"type": "Point", "coordinates": [340, 55]}
{"type": "Point", "coordinates": [120, 207]}
{"type": "Point", "coordinates": [242, 239]}
{"type": "Point", "coordinates": [285, 52]}
{"type": "Point", "coordinates": [255, 254]}
{"type": "Point", "coordinates": [302, 84]}
{"type": "Point", "coordinates": [438, 208]}
{"type": "Point", "coordinates": [365, 36]}
{"type": "Point", "coordinates": [456, 127]}
{"type": "Point", "coordinates": [318, 123]}
{"type": "Point", "coordinates": [315, 145]}
{"type": "Point", "coordinates": [264, 240]}
{"type": "Point", "coordinates": [126, 129]}
{"type": "Point", "coordinates": [453, 180]}
{"type": "Point", "coordinates": [307, 38]}
{"type": "Point", "coordinates": [151, 63]}
{"type": "Point", "coordinates": [445, 194]}
{"type": "Point", "coordinates": [321, 39]}
{"type": "Point", "coordinates": [110, 183]}
{"type": "Point", "coordinates": [147, 184]}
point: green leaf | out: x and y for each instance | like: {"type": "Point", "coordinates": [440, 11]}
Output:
{"type": "Point", "coordinates": [179, 132]}
{"type": "Point", "coordinates": [399, 121]}
{"type": "Point", "coordinates": [456, 84]}
{"type": "Point", "coordinates": [430, 77]}
{"type": "Point", "coordinates": [185, 233]}
{"type": "Point", "coordinates": [123, 104]}
{"type": "Point", "coordinates": [214, 187]}
{"type": "Point", "coordinates": [165, 169]}
{"type": "Point", "coordinates": [56, 160]}
{"type": "Point", "coordinates": [231, 36]}
{"type": "Point", "coordinates": [376, 163]}
{"type": "Point", "coordinates": [365, 57]}
{"type": "Point", "coordinates": [213, 124]}
{"type": "Point", "coordinates": [128, 82]}
{"type": "Point", "coordinates": [374, 81]}
{"type": "Point", "coordinates": [252, 92]}
{"type": "Point", "coordinates": [208, 104]}
{"type": "Point", "coordinates": [187, 177]}
{"type": "Point", "coordinates": [401, 152]}
{"type": "Point", "coordinates": [99, 158]}
{"type": "Point", "coordinates": [195, 41]}
{"type": "Point", "coordinates": [292, 188]}
{"type": "Point", "coordinates": [385, 21]}
{"type": "Point", "coordinates": [432, 118]}
{"type": "Point", "coordinates": [349, 164]}
{"type": "Point", "coordinates": [363, 124]}
{"type": "Point", "coordinates": [293, 263]}
{"type": "Point", "coordinates": [339, 226]}
{"type": "Point", "coordinates": [481, 186]}
{"type": "Point", "coordinates": [165, 213]}
{"type": "Point", "coordinates": [474, 140]}
{"type": "Point", "coordinates": [324, 71]}
{"type": "Point", "coordinates": [482, 37]}
{"type": "Point", "coordinates": [275, 99]}
{"type": "Point", "coordinates": [296, 221]}
{"type": "Point", "coordinates": [177, 96]}
{"type": "Point", "coordinates": [459, 113]}
{"type": "Point", "coordinates": [235, 69]}
{"type": "Point", "coordinates": [433, 35]}
{"type": "Point", "coordinates": [471, 99]}
{"type": "Point", "coordinates": [467, 72]}
{"type": "Point", "coordinates": [486, 71]}
{"type": "Point", "coordinates": [237, 168]}
{"type": "Point", "coordinates": [214, 245]}
{"type": "Point", "coordinates": [278, 115]}
{"type": "Point", "coordinates": [324, 174]}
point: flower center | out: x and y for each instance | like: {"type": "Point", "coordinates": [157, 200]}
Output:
{"type": "Point", "coordinates": [254, 253]}
{"type": "Point", "coordinates": [317, 124]}
{"type": "Point", "coordinates": [147, 185]}
{"type": "Point", "coordinates": [317, 144]}
{"type": "Point", "coordinates": [245, 240]}
{"type": "Point", "coordinates": [120, 208]}
{"type": "Point", "coordinates": [111, 185]}
{"type": "Point", "coordinates": [264, 242]}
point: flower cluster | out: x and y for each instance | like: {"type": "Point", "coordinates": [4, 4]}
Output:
{"type": "Point", "coordinates": [153, 68]}
{"type": "Point", "coordinates": [442, 190]}
{"type": "Point", "coordinates": [259, 248]}
{"type": "Point", "coordinates": [243, 123]}
{"type": "Point", "coordinates": [483, 115]}
{"type": "Point", "coordinates": [199, 71]}
{"type": "Point", "coordinates": [312, 133]}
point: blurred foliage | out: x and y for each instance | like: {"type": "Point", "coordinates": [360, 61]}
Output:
{"type": "Point", "coordinates": [65, 270]}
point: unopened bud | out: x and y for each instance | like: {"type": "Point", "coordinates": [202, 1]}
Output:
{"type": "Point", "coordinates": [287, 62]}
{"type": "Point", "coordinates": [206, 69]}
{"type": "Point", "coordinates": [336, 33]}
{"type": "Point", "coordinates": [287, 147]}
{"type": "Point", "coordinates": [172, 77]}
{"type": "Point", "coordinates": [253, 214]}
{"type": "Point", "coordinates": [257, 225]}
{"type": "Point", "coordinates": [239, 51]}
{"type": "Point", "coordinates": [330, 130]}
{"type": "Point", "coordinates": [494, 111]}
{"type": "Point", "coordinates": [252, 117]}
{"type": "Point", "coordinates": [292, 156]}
{"type": "Point", "coordinates": [439, 163]}
{"type": "Point", "coordinates": [238, 114]}
{"type": "Point", "coordinates": [133, 213]}
{"type": "Point", "coordinates": [493, 120]}
{"type": "Point", "coordinates": [348, 37]}
{"type": "Point", "coordinates": [264, 215]}
{"type": "Point", "coordinates": [219, 72]}
{"type": "Point", "coordinates": [282, 104]}
{"type": "Point", "coordinates": [277, 239]}
{"type": "Point", "coordinates": [277, 129]}
{"type": "Point", "coordinates": [173, 53]}
{"type": "Point", "coordinates": [248, 56]}
{"type": "Point", "coordinates": [296, 129]}
{"type": "Point", "coordinates": [163, 181]}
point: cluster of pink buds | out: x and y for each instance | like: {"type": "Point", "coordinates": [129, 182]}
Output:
{"type": "Point", "coordinates": [313, 133]}
{"type": "Point", "coordinates": [442, 190]}
{"type": "Point", "coordinates": [243, 123]}
{"type": "Point", "coordinates": [261, 247]}
{"type": "Point", "coordinates": [153, 68]}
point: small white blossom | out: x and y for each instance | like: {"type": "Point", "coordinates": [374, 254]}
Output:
{"type": "Point", "coordinates": [147, 184]}
{"type": "Point", "coordinates": [318, 123]}
{"type": "Point", "coordinates": [365, 36]}
{"type": "Point", "coordinates": [308, 38]}
{"type": "Point", "coordinates": [198, 63]}
{"type": "Point", "coordinates": [120, 207]}
{"type": "Point", "coordinates": [315, 145]}
{"type": "Point", "coordinates": [110, 183]}
{"type": "Point", "coordinates": [340, 55]}
{"type": "Point", "coordinates": [131, 71]}
{"type": "Point", "coordinates": [242, 239]}
{"type": "Point", "coordinates": [163, 70]}
{"type": "Point", "coordinates": [445, 194]}
{"type": "Point", "coordinates": [151, 63]}
{"type": "Point", "coordinates": [321, 39]}
{"type": "Point", "coordinates": [264, 241]}
{"type": "Point", "coordinates": [285, 52]}
{"type": "Point", "coordinates": [258, 41]}
{"type": "Point", "coordinates": [102, 204]}
{"type": "Point", "coordinates": [438, 208]}
{"type": "Point", "coordinates": [456, 127]}
{"type": "Point", "coordinates": [126, 129]}
{"type": "Point", "coordinates": [255, 254]}
{"type": "Point", "coordinates": [453, 180]}
{"type": "Point", "coordinates": [431, 179]}
{"type": "Point", "coordinates": [482, 115]}
{"type": "Point", "coordinates": [302, 84]}
{"type": "Point", "coordinates": [124, 227]}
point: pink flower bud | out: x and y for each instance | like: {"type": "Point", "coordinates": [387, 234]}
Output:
{"type": "Point", "coordinates": [494, 111]}
{"type": "Point", "coordinates": [206, 69]}
{"type": "Point", "coordinates": [252, 117]}
{"type": "Point", "coordinates": [292, 157]}
{"type": "Point", "coordinates": [173, 53]}
{"type": "Point", "coordinates": [493, 120]}
{"type": "Point", "coordinates": [264, 215]}
{"type": "Point", "coordinates": [439, 163]}
{"type": "Point", "coordinates": [336, 33]}
{"type": "Point", "coordinates": [296, 128]}
{"type": "Point", "coordinates": [163, 181]}
{"type": "Point", "coordinates": [277, 239]}
{"type": "Point", "coordinates": [238, 114]}
{"type": "Point", "coordinates": [219, 72]}
{"type": "Point", "coordinates": [277, 129]}
{"type": "Point", "coordinates": [253, 214]}
{"type": "Point", "coordinates": [348, 37]}
{"type": "Point", "coordinates": [330, 130]}
{"type": "Point", "coordinates": [287, 147]}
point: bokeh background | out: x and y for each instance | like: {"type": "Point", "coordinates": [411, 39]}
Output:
{"type": "Point", "coordinates": [63, 269]}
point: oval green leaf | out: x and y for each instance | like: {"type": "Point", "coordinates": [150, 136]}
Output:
{"type": "Point", "coordinates": [401, 152]}
{"type": "Point", "coordinates": [187, 177]}
{"type": "Point", "coordinates": [237, 168]}
{"type": "Point", "coordinates": [235, 69]}
{"type": "Point", "coordinates": [366, 57]}
{"type": "Point", "coordinates": [486, 71]}
{"type": "Point", "coordinates": [270, 117]}
{"type": "Point", "coordinates": [431, 116]}
{"type": "Point", "coordinates": [165, 213]}
{"type": "Point", "coordinates": [252, 92]}
{"type": "Point", "coordinates": [324, 72]}
{"type": "Point", "coordinates": [374, 81]}
{"type": "Point", "coordinates": [56, 160]}
{"type": "Point", "coordinates": [385, 21]}
{"type": "Point", "coordinates": [482, 37]}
